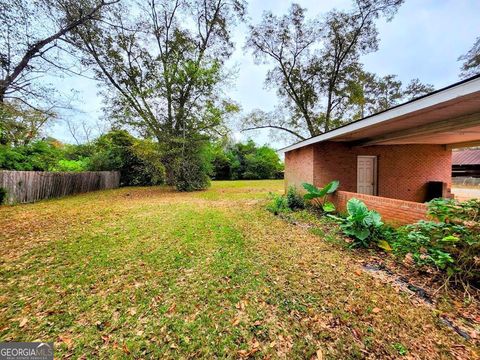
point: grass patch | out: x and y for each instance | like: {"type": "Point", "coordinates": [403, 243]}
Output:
{"type": "Point", "coordinates": [150, 273]}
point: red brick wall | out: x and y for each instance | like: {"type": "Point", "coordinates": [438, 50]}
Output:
{"type": "Point", "coordinates": [403, 174]}
{"type": "Point", "coordinates": [403, 170]}
{"type": "Point", "coordinates": [299, 166]}
{"type": "Point", "coordinates": [393, 211]}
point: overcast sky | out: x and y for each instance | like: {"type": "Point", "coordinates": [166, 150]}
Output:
{"type": "Point", "coordinates": [423, 41]}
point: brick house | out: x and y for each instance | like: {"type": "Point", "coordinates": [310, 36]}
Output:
{"type": "Point", "coordinates": [396, 159]}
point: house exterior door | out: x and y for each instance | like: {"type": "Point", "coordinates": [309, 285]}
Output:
{"type": "Point", "coordinates": [367, 175]}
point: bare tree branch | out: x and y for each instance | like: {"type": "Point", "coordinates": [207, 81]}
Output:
{"type": "Point", "coordinates": [274, 127]}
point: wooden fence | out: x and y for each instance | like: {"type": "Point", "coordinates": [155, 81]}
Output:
{"type": "Point", "coordinates": [30, 186]}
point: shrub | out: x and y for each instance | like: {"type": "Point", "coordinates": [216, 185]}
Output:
{"type": "Point", "coordinates": [191, 168]}
{"type": "Point", "coordinates": [320, 195]}
{"type": "Point", "coordinates": [191, 174]}
{"type": "Point", "coordinates": [149, 170]}
{"type": "Point", "coordinates": [451, 210]}
{"type": "Point", "coordinates": [422, 240]}
{"type": "Point", "coordinates": [40, 155]}
{"type": "Point", "coordinates": [245, 161]}
{"type": "Point", "coordinates": [278, 204]}
{"type": "Point", "coordinates": [362, 225]}
{"type": "Point", "coordinates": [451, 244]}
{"type": "Point", "coordinates": [294, 199]}
{"type": "Point", "coordinates": [137, 160]}
{"type": "Point", "coordinates": [72, 165]}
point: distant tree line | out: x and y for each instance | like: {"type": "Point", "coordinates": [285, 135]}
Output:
{"type": "Point", "coordinates": [138, 160]}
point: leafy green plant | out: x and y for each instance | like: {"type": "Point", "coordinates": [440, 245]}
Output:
{"type": "Point", "coordinates": [40, 155]}
{"type": "Point", "coordinates": [72, 165]}
{"type": "Point", "coordinates": [361, 223]}
{"type": "Point", "coordinates": [294, 199]}
{"type": "Point", "coordinates": [451, 243]}
{"type": "Point", "coordinates": [451, 210]}
{"type": "Point", "coordinates": [320, 195]}
{"type": "Point", "coordinates": [365, 226]}
{"type": "Point", "coordinates": [400, 348]}
{"type": "Point", "coordinates": [278, 204]}
{"type": "Point", "coordinates": [420, 240]}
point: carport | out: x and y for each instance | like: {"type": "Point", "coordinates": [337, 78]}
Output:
{"type": "Point", "coordinates": [402, 153]}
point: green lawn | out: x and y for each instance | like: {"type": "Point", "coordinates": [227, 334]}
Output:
{"type": "Point", "coordinates": [150, 273]}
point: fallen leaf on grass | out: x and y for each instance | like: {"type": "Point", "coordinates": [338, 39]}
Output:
{"type": "Point", "coordinates": [376, 310]}
{"type": "Point", "coordinates": [132, 311]}
{"type": "Point", "coordinates": [106, 339]}
{"type": "Point", "coordinates": [356, 334]}
{"type": "Point", "coordinates": [66, 340]}
{"type": "Point", "coordinates": [171, 308]}
{"type": "Point", "coordinates": [243, 353]}
{"type": "Point", "coordinates": [255, 345]}
{"type": "Point", "coordinates": [125, 349]}
{"type": "Point", "coordinates": [319, 354]}
{"type": "Point", "coordinates": [382, 244]}
{"type": "Point", "coordinates": [23, 322]}
{"type": "Point", "coordinates": [241, 305]}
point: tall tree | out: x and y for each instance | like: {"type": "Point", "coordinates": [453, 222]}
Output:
{"type": "Point", "coordinates": [162, 66]}
{"type": "Point", "coordinates": [20, 126]}
{"type": "Point", "coordinates": [316, 64]}
{"type": "Point", "coordinates": [32, 45]}
{"type": "Point", "coordinates": [31, 34]}
{"type": "Point", "coordinates": [370, 93]}
{"type": "Point", "coordinates": [471, 61]}
{"type": "Point", "coordinates": [288, 42]}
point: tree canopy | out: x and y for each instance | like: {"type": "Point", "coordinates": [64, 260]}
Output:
{"type": "Point", "coordinates": [316, 68]}
{"type": "Point", "coordinates": [162, 67]}
{"type": "Point", "coordinates": [32, 38]}
{"type": "Point", "coordinates": [245, 161]}
{"type": "Point", "coordinates": [471, 61]}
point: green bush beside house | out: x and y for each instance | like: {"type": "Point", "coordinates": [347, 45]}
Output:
{"type": "Point", "coordinates": [450, 242]}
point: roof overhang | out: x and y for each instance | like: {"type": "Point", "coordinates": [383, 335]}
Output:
{"type": "Point", "coordinates": [449, 116]}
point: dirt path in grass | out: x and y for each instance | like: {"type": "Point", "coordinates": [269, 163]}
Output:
{"type": "Point", "coordinates": [149, 273]}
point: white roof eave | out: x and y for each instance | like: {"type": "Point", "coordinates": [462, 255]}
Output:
{"type": "Point", "coordinates": [447, 94]}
